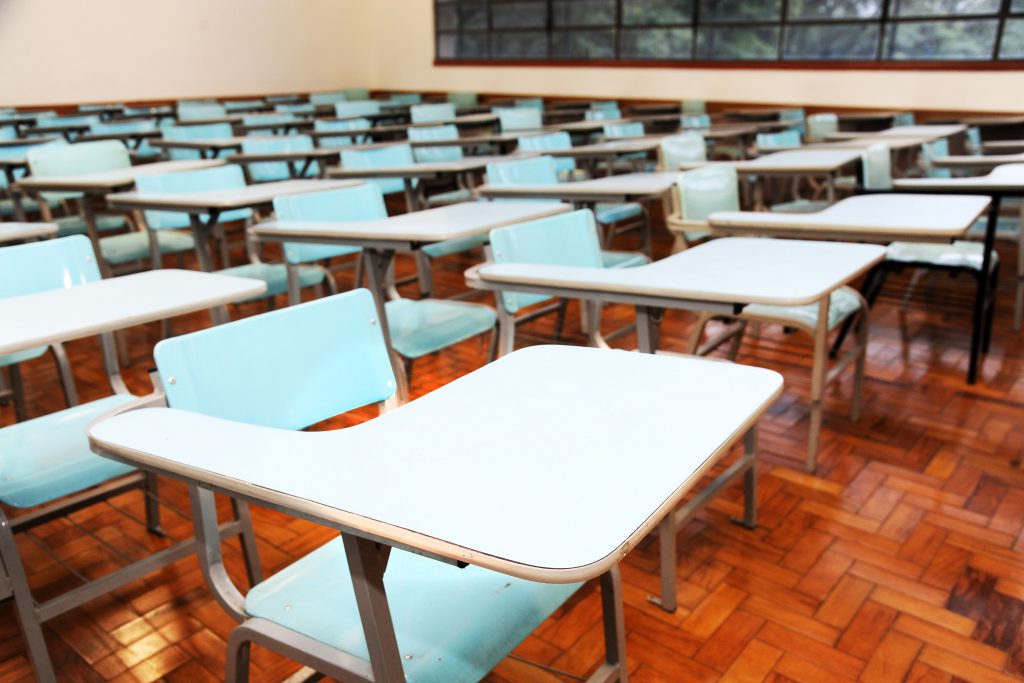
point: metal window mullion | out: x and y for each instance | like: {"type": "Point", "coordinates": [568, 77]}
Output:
{"type": "Point", "coordinates": [783, 30]}
{"type": "Point", "coordinates": [1004, 9]}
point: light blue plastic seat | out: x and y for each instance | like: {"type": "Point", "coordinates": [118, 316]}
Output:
{"type": "Point", "coordinates": [273, 122]}
{"type": "Point", "coordinates": [228, 177]}
{"type": "Point", "coordinates": [208, 131]}
{"type": "Point", "coordinates": [569, 239]}
{"type": "Point", "coordinates": [195, 111]}
{"type": "Point", "coordinates": [678, 149]}
{"type": "Point", "coordinates": [49, 457]}
{"type": "Point", "coordinates": [695, 121]}
{"type": "Point", "coordinates": [432, 113]}
{"type": "Point", "coordinates": [465, 100]}
{"type": "Point", "coordinates": [543, 171]}
{"type": "Point", "coordinates": [603, 114]}
{"type": "Point", "coordinates": [232, 106]}
{"type": "Point", "coordinates": [8, 132]}
{"type": "Point", "coordinates": [321, 98]}
{"type": "Point", "coordinates": [348, 110]}
{"type": "Point", "coordinates": [93, 157]}
{"type": "Point", "coordinates": [46, 126]}
{"type": "Point", "coordinates": [820, 126]}
{"type": "Point", "coordinates": [322, 125]}
{"type": "Point", "coordinates": [698, 194]}
{"type": "Point", "coordinates": [267, 171]}
{"type": "Point", "coordinates": [391, 155]}
{"type": "Point", "coordinates": [452, 624]}
{"type": "Point", "coordinates": [566, 166]}
{"type": "Point", "coordinates": [519, 118]}
{"type": "Point", "coordinates": [144, 149]}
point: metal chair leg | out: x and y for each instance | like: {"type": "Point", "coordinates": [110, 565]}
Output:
{"type": "Point", "coordinates": [18, 392]}
{"type": "Point", "coordinates": [239, 647]}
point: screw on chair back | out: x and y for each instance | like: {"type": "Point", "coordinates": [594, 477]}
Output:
{"type": "Point", "coordinates": [266, 171]}
{"type": "Point", "coordinates": [287, 369]}
{"type": "Point", "coordinates": [519, 118]}
{"type": "Point", "coordinates": [358, 203]}
{"type": "Point", "coordinates": [347, 110]}
{"type": "Point", "coordinates": [229, 177]}
{"type": "Point", "coordinates": [392, 155]}
{"type": "Point", "coordinates": [876, 162]}
{"type": "Point", "coordinates": [674, 150]}
{"type": "Point", "coordinates": [432, 113]}
{"type": "Point", "coordinates": [569, 239]}
{"type": "Point", "coordinates": [446, 132]}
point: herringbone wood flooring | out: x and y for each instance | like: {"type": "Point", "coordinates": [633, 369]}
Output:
{"type": "Point", "coordinates": [900, 560]}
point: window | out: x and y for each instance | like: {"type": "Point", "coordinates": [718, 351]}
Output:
{"type": "Point", "coordinates": [730, 30]}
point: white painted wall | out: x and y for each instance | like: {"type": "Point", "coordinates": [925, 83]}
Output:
{"type": "Point", "coordinates": [63, 51]}
{"type": "Point", "coordinates": [60, 51]}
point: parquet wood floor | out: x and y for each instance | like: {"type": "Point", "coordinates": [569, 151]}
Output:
{"type": "Point", "coordinates": [900, 560]}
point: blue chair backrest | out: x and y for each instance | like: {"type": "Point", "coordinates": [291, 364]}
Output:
{"type": "Point", "coordinates": [278, 170]}
{"type": "Point", "coordinates": [519, 118]}
{"type": "Point", "coordinates": [347, 110]}
{"type": "Point", "coordinates": [287, 369]}
{"type": "Point", "coordinates": [269, 120]}
{"type": "Point", "coordinates": [603, 114]}
{"type": "Point", "coordinates": [41, 267]}
{"type": "Point", "coordinates": [432, 113]}
{"type": "Point", "coordinates": [47, 161]}
{"type": "Point", "coordinates": [326, 97]}
{"type": "Point", "coordinates": [282, 99]}
{"type": "Point", "coordinates": [425, 155]}
{"type": "Point", "coordinates": [206, 131]}
{"type": "Point", "coordinates": [973, 134]}
{"type": "Point", "coordinates": [352, 94]}
{"type": "Point", "coordinates": [346, 124]}
{"type": "Point", "coordinates": [695, 121]}
{"type": "Point", "coordinates": [530, 102]}
{"type": "Point", "coordinates": [300, 108]}
{"type": "Point", "coordinates": [68, 121]}
{"type": "Point", "coordinates": [820, 126]}
{"type": "Point", "coordinates": [876, 161]}
{"type": "Point", "coordinates": [694, 107]}
{"type": "Point", "coordinates": [904, 119]}
{"type": "Point", "coordinates": [464, 99]}
{"type": "Point", "coordinates": [929, 152]}
{"type": "Point", "coordinates": [229, 177]}
{"type": "Point", "coordinates": [610, 105]}
{"type": "Point", "coordinates": [397, 98]}
{"type": "Point", "coordinates": [242, 105]}
{"type": "Point", "coordinates": [19, 152]}
{"type": "Point", "coordinates": [359, 203]}
{"type": "Point", "coordinates": [141, 126]}
{"type": "Point", "coordinates": [392, 155]}
{"type": "Point", "coordinates": [546, 141]}
{"type": "Point", "coordinates": [192, 111]}
{"type": "Point", "coordinates": [795, 114]}
{"type": "Point", "coordinates": [8, 133]}
{"type": "Point", "coordinates": [782, 139]}
{"type": "Point", "coordinates": [633, 129]}
{"type": "Point", "coordinates": [706, 190]}
{"type": "Point", "coordinates": [97, 108]}
{"type": "Point", "coordinates": [536, 171]}
{"type": "Point", "coordinates": [675, 150]}
{"type": "Point", "coordinates": [568, 239]}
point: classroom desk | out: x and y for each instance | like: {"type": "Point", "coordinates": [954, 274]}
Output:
{"type": "Point", "coordinates": [867, 120]}
{"type": "Point", "coordinates": [408, 232]}
{"type": "Point", "coordinates": [607, 151]}
{"type": "Point", "coordinates": [208, 148]}
{"type": "Point", "coordinates": [204, 208]}
{"type": "Point", "coordinates": [978, 161]}
{"type": "Point", "coordinates": [133, 139]}
{"type": "Point", "coordinates": [1002, 146]}
{"type": "Point", "coordinates": [1003, 181]}
{"type": "Point", "coordinates": [101, 308]}
{"type": "Point", "coordinates": [70, 131]}
{"type": "Point", "coordinates": [820, 162]}
{"type": "Point", "coordinates": [603, 488]}
{"type": "Point", "coordinates": [20, 232]}
{"type": "Point", "coordinates": [721, 277]}
{"type": "Point", "coordinates": [94, 187]}
{"type": "Point", "coordinates": [757, 113]}
{"type": "Point", "coordinates": [320, 155]}
{"type": "Point", "coordinates": [298, 126]}
{"type": "Point", "coordinates": [461, 170]}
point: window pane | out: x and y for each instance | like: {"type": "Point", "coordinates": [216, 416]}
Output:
{"type": "Point", "coordinates": [519, 45]}
{"type": "Point", "coordinates": [933, 8]}
{"type": "Point", "coordinates": [465, 46]}
{"type": "Point", "coordinates": [1017, 6]}
{"type": "Point", "coordinates": [942, 39]}
{"type": "Point", "coordinates": [582, 44]}
{"type": "Point", "coordinates": [461, 15]}
{"type": "Point", "coordinates": [657, 43]}
{"type": "Point", "coordinates": [834, 9]}
{"type": "Point", "coordinates": [739, 42]}
{"type": "Point", "coordinates": [1012, 46]}
{"type": "Point", "coordinates": [739, 10]}
{"type": "Point", "coordinates": [583, 13]}
{"type": "Point", "coordinates": [519, 14]}
{"type": "Point", "coordinates": [658, 11]}
{"type": "Point", "coordinates": [831, 41]}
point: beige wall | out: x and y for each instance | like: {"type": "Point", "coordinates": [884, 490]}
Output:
{"type": "Point", "coordinates": [61, 51]}
{"type": "Point", "coordinates": [410, 25]}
